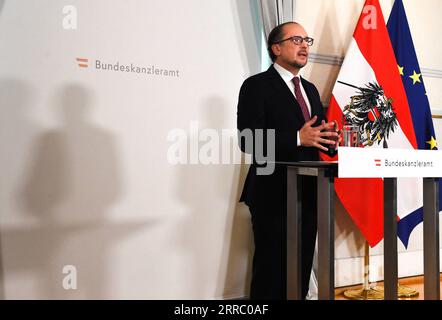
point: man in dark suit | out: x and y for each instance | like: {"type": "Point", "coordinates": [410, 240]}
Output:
{"type": "Point", "coordinates": [281, 100]}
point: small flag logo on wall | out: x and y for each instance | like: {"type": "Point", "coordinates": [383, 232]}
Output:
{"type": "Point", "coordinates": [82, 62]}
{"type": "Point", "coordinates": [377, 162]}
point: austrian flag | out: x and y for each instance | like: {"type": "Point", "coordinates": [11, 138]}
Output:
{"type": "Point", "coordinates": [369, 93]}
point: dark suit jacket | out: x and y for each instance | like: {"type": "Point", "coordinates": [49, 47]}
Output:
{"type": "Point", "coordinates": [265, 102]}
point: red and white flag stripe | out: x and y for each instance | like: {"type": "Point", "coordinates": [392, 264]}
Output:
{"type": "Point", "coordinates": [370, 58]}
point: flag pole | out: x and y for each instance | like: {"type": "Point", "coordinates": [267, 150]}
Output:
{"type": "Point", "coordinates": [366, 293]}
{"type": "Point", "coordinates": [377, 292]}
{"type": "Point", "coordinates": [367, 267]}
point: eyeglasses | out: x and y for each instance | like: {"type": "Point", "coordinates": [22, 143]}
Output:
{"type": "Point", "coordinates": [298, 40]}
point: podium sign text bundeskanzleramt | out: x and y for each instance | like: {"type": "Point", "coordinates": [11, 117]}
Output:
{"type": "Point", "coordinates": [389, 163]}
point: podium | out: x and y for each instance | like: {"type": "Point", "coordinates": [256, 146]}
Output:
{"type": "Point", "coordinates": [326, 172]}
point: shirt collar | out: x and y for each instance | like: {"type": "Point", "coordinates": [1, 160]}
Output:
{"type": "Point", "coordinates": [286, 75]}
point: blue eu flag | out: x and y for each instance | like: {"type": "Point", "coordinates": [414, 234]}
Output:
{"type": "Point", "coordinates": [411, 74]}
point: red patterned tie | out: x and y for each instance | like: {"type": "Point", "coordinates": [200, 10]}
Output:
{"type": "Point", "coordinates": [300, 99]}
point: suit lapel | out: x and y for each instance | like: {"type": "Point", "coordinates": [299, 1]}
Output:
{"type": "Point", "coordinates": [284, 92]}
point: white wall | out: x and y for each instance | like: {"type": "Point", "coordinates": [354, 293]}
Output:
{"type": "Point", "coordinates": [85, 179]}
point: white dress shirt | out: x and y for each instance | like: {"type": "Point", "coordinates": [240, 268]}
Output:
{"type": "Point", "coordinates": [287, 76]}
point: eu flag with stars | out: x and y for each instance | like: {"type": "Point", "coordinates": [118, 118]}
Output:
{"type": "Point", "coordinates": [411, 74]}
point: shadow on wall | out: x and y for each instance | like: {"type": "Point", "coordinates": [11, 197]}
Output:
{"type": "Point", "coordinates": [15, 129]}
{"type": "Point", "coordinates": [211, 228]}
{"type": "Point", "coordinates": [234, 273]}
{"type": "Point", "coordinates": [236, 269]}
{"type": "Point", "coordinates": [71, 178]}
{"type": "Point", "coordinates": [199, 188]}
{"type": "Point", "coordinates": [236, 259]}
